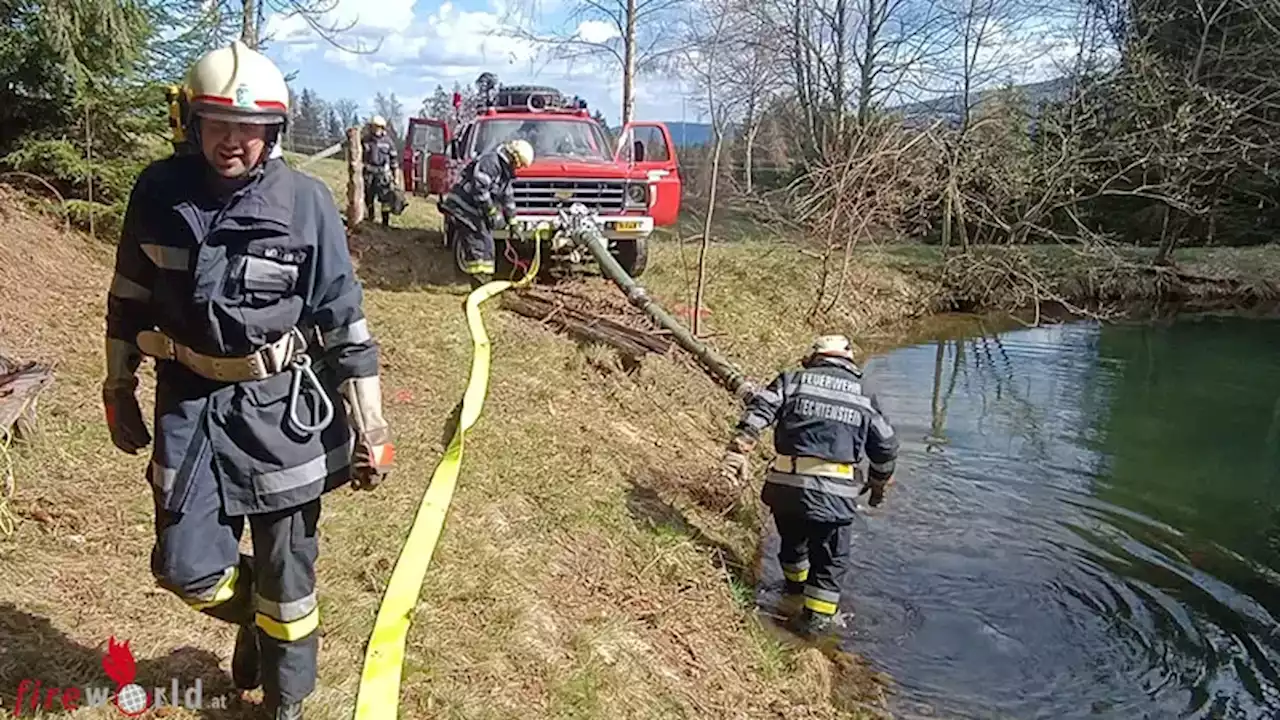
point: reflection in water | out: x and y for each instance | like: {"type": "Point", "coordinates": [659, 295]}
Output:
{"type": "Point", "coordinates": [1087, 524]}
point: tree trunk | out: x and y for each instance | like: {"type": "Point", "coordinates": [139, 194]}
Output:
{"type": "Point", "coordinates": [629, 65]}
{"type": "Point", "coordinates": [838, 93]}
{"type": "Point", "coordinates": [748, 162]}
{"type": "Point", "coordinates": [706, 225]}
{"type": "Point", "coordinates": [355, 178]}
{"type": "Point", "coordinates": [248, 27]}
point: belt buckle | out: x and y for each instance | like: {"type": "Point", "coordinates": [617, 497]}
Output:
{"type": "Point", "coordinates": [256, 365]}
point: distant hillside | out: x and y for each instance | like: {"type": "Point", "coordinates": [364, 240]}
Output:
{"type": "Point", "coordinates": [683, 134]}
{"type": "Point", "coordinates": [950, 107]}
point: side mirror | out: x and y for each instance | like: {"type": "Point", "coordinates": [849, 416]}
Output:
{"type": "Point", "coordinates": [637, 151]}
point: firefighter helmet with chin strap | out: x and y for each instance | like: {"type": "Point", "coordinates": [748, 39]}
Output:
{"type": "Point", "coordinates": [240, 85]}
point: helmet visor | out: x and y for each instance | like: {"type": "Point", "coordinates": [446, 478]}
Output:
{"type": "Point", "coordinates": [228, 114]}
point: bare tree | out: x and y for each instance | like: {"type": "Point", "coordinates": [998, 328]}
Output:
{"type": "Point", "coordinates": [638, 36]}
{"type": "Point", "coordinates": [246, 19]}
{"type": "Point", "coordinates": [710, 34]}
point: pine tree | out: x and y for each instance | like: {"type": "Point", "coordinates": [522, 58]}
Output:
{"type": "Point", "coordinates": [310, 123]}
{"type": "Point", "coordinates": [334, 125]}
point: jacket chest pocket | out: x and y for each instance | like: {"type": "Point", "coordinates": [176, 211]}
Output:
{"type": "Point", "coordinates": [264, 275]}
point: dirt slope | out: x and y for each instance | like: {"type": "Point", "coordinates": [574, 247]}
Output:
{"type": "Point", "coordinates": [585, 571]}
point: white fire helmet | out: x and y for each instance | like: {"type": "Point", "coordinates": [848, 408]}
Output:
{"type": "Point", "coordinates": [379, 122]}
{"type": "Point", "coordinates": [238, 84]}
{"type": "Point", "coordinates": [520, 152]}
{"type": "Point", "coordinates": [832, 346]}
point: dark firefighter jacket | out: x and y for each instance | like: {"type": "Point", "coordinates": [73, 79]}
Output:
{"type": "Point", "coordinates": [822, 412]}
{"type": "Point", "coordinates": [225, 278]}
{"type": "Point", "coordinates": [378, 153]}
{"type": "Point", "coordinates": [483, 193]}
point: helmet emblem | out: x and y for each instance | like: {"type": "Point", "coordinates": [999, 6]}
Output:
{"type": "Point", "coordinates": [243, 98]}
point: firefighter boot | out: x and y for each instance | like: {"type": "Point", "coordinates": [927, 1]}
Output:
{"type": "Point", "coordinates": [479, 279]}
{"type": "Point", "coordinates": [812, 625]}
{"type": "Point", "coordinates": [245, 661]}
{"type": "Point", "coordinates": [386, 217]}
{"type": "Point", "coordinates": [792, 599]}
{"type": "Point", "coordinates": [288, 711]}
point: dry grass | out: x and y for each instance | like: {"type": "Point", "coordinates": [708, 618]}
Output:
{"type": "Point", "coordinates": [589, 567]}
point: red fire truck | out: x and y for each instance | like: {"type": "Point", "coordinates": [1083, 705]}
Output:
{"type": "Point", "coordinates": [633, 184]}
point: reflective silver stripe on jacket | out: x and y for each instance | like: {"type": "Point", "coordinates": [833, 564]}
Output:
{"type": "Point", "coordinates": [163, 478]}
{"type": "Point", "coordinates": [314, 470]}
{"type": "Point", "coordinates": [354, 334]}
{"type": "Point", "coordinates": [123, 287]}
{"type": "Point", "coordinates": [166, 257]}
{"type": "Point", "coordinates": [812, 482]}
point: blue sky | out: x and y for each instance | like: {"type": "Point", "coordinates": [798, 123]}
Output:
{"type": "Point", "coordinates": [430, 42]}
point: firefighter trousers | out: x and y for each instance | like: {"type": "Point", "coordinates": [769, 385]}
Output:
{"type": "Point", "coordinates": [196, 556]}
{"type": "Point", "coordinates": [815, 555]}
{"type": "Point", "coordinates": [474, 250]}
{"type": "Point", "coordinates": [377, 188]}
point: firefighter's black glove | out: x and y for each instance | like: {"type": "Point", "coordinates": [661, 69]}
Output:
{"type": "Point", "coordinates": [877, 488]}
{"type": "Point", "coordinates": [124, 419]}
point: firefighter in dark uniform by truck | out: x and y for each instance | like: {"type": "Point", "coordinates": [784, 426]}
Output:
{"type": "Point", "coordinates": [379, 169]}
{"type": "Point", "coordinates": [483, 201]}
{"type": "Point", "coordinates": [232, 271]}
{"type": "Point", "coordinates": [824, 423]}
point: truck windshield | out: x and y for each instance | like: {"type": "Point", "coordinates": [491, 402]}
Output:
{"type": "Point", "coordinates": [575, 139]}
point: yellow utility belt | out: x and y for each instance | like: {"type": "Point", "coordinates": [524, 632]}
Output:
{"type": "Point", "coordinates": [814, 466]}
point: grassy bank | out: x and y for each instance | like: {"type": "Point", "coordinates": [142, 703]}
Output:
{"type": "Point", "coordinates": [589, 567]}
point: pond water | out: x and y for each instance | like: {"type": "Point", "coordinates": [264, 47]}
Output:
{"type": "Point", "coordinates": [1086, 524]}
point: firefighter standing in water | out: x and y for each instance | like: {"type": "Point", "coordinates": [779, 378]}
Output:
{"type": "Point", "coordinates": [379, 169]}
{"type": "Point", "coordinates": [233, 273]}
{"type": "Point", "coordinates": [824, 423]}
{"type": "Point", "coordinates": [482, 201]}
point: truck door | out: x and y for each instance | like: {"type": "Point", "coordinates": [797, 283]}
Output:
{"type": "Point", "coordinates": [425, 161]}
{"type": "Point", "coordinates": [647, 146]}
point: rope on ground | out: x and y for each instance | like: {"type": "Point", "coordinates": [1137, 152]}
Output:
{"type": "Point", "coordinates": [8, 485]}
{"type": "Point", "coordinates": [378, 696]}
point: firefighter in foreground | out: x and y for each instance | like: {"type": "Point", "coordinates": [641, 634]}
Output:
{"type": "Point", "coordinates": [482, 201]}
{"type": "Point", "coordinates": [379, 169]}
{"type": "Point", "coordinates": [233, 273]}
{"type": "Point", "coordinates": [824, 423]}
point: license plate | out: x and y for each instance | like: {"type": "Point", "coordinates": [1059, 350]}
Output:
{"type": "Point", "coordinates": [627, 226]}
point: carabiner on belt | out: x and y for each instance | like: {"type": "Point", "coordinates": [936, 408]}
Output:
{"type": "Point", "coordinates": [302, 367]}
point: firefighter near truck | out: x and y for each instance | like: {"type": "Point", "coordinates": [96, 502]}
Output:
{"type": "Point", "coordinates": [630, 187]}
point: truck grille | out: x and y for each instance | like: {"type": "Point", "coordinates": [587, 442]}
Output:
{"type": "Point", "coordinates": [547, 195]}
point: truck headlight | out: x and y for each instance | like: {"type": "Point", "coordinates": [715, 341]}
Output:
{"type": "Point", "coordinates": [638, 194]}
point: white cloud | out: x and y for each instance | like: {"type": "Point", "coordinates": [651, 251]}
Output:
{"type": "Point", "coordinates": [455, 45]}
{"type": "Point", "coordinates": [597, 31]}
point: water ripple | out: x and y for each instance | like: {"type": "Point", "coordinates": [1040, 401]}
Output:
{"type": "Point", "coordinates": [1085, 525]}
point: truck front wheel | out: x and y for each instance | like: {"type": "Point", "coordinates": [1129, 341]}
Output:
{"type": "Point", "coordinates": [632, 255]}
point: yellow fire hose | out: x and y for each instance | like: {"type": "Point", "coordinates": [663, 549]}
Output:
{"type": "Point", "coordinates": [379, 694]}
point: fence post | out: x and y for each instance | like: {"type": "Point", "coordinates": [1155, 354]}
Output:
{"type": "Point", "coordinates": [355, 179]}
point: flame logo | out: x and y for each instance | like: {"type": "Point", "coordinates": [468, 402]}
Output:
{"type": "Point", "coordinates": [118, 662]}
{"type": "Point", "coordinates": [119, 665]}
